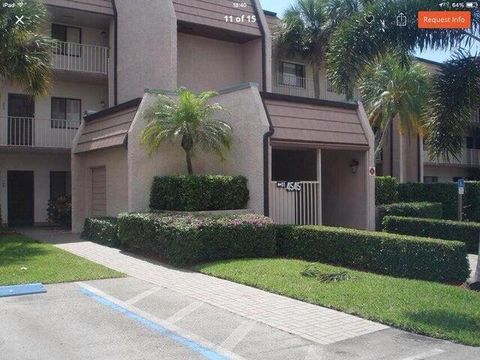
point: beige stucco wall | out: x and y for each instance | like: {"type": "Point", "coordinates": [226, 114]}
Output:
{"type": "Point", "coordinates": [41, 165]}
{"type": "Point", "coordinates": [249, 122]}
{"type": "Point", "coordinates": [147, 47]}
{"type": "Point", "coordinates": [209, 64]}
{"type": "Point", "coordinates": [344, 198]}
{"type": "Point", "coordinates": [115, 161]}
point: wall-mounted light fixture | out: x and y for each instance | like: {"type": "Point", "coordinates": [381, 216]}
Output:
{"type": "Point", "coordinates": [102, 104]}
{"type": "Point", "coordinates": [354, 165]}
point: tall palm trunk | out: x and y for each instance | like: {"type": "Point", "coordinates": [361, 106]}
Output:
{"type": "Point", "coordinates": [316, 81]}
{"type": "Point", "coordinates": [385, 129]}
{"type": "Point", "coordinates": [477, 272]}
{"type": "Point", "coordinates": [188, 158]}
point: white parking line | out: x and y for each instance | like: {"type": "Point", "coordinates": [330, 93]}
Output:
{"type": "Point", "coordinates": [171, 327]}
{"type": "Point", "coordinates": [425, 355]}
{"type": "Point", "coordinates": [237, 335]}
{"type": "Point", "coordinates": [142, 295]}
{"type": "Point", "coordinates": [187, 310]}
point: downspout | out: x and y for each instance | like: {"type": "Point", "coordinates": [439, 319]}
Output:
{"type": "Point", "coordinates": [269, 133]}
{"type": "Point", "coordinates": [266, 168]}
{"type": "Point", "coordinates": [391, 148]}
{"type": "Point", "coordinates": [419, 160]}
{"type": "Point", "coordinates": [264, 51]}
{"type": "Point", "coordinates": [115, 52]}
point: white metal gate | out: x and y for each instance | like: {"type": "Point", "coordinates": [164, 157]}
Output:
{"type": "Point", "coordinates": [295, 202]}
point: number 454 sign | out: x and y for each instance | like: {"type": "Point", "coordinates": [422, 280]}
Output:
{"type": "Point", "coordinates": [289, 186]}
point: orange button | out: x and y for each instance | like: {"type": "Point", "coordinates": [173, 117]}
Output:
{"type": "Point", "coordinates": [444, 19]}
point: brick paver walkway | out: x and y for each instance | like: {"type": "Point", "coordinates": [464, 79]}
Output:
{"type": "Point", "coordinates": [312, 322]}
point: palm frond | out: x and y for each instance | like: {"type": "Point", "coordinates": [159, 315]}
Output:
{"type": "Point", "coordinates": [25, 54]}
{"type": "Point", "coordinates": [190, 119]}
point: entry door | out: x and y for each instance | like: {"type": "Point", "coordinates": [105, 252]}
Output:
{"type": "Point", "coordinates": [99, 191]}
{"type": "Point", "coordinates": [21, 110]}
{"type": "Point", "coordinates": [20, 198]}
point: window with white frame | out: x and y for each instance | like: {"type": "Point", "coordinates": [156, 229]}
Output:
{"type": "Point", "coordinates": [70, 37]}
{"type": "Point", "coordinates": [66, 113]}
{"type": "Point", "coordinates": [292, 74]}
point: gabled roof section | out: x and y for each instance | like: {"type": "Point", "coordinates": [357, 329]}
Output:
{"type": "Point", "coordinates": [107, 128]}
{"type": "Point", "coordinates": [93, 6]}
{"type": "Point", "coordinates": [210, 14]}
{"type": "Point", "coordinates": [314, 122]}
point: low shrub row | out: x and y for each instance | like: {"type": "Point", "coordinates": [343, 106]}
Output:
{"type": "Point", "coordinates": [101, 230]}
{"type": "Point", "coordinates": [187, 239]}
{"type": "Point", "coordinates": [467, 232]}
{"type": "Point", "coordinates": [389, 191]}
{"type": "Point", "coordinates": [411, 209]}
{"type": "Point", "coordinates": [199, 193]}
{"type": "Point", "coordinates": [183, 240]}
{"type": "Point", "coordinates": [386, 190]}
{"type": "Point", "coordinates": [390, 254]}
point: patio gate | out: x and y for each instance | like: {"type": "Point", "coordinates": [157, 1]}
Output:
{"type": "Point", "coordinates": [295, 202]}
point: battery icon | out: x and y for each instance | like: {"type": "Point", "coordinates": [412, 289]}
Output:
{"type": "Point", "coordinates": [471, 5]}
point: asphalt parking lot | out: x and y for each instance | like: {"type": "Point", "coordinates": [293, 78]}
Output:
{"type": "Point", "coordinates": [133, 319]}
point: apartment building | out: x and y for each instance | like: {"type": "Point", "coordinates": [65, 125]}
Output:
{"type": "Point", "coordinates": [307, 160]}
{"type": "Point", "coordinates": [36, 133]}
{"type": "Point", "coordinates": [405, 157]}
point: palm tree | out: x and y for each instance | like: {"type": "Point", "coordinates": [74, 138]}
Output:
{"type": "Point", "coordinates": [188, 118]}
{"type": "Point", "coordinates": [390, 90]}
{"type": "Point", "coordinates": [356, 43]}
{"type": "Point", "coordinates": [306, 28]}
{"type": "Point", "coordinates": [25, 54]}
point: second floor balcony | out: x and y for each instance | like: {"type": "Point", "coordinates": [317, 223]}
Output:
{"type": "Point", "coordinates": [288, 84]}
{"type": "Point", "coordinates": [29, 132]}
{"type": "Point", "coordinates": [85, 58]}
{"type": "Point", "coordinates": [469, 157]}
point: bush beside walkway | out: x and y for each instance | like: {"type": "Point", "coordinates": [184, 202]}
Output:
{"type": "Point", "coordinates": [467, 232]}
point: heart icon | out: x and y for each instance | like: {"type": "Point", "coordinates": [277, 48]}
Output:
{"type": "Point", "coordinates": [369, 18]}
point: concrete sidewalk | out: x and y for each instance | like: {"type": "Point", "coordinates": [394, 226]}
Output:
{"type": "Point", "coordinates": [311, 322]}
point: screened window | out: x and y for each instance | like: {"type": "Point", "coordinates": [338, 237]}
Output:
{"type": "Point", "coordinates": [473, 142]}
{"type": "Point", "coordinates": [430, 179]}
{"type": "Point", "coordinates": [59, 184]}
{"type": "Point", "coordinates": [69, 37]}
{"type": "Point", "coordinates": [292, 74]}
{"type": "Point", "coordinates": [66, 113]}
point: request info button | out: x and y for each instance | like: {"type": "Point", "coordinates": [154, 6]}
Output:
{"type": "Point", "coordinates": [444, 19]}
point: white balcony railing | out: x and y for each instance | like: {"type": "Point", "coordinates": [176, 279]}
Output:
{"type": "Point", "coordinates": [80, 57]}
{"type": "Point", "coordinates": [292, 85]}
{"type": "Point", "coordinates": [469, 157]}
{"type": "Point", "coordinates": [32, 132]}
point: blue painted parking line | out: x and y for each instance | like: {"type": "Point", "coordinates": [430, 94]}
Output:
{"type": "Point", "coordinates": [24, 289]}
{"type": "Point", "coordinates": [192, 345]}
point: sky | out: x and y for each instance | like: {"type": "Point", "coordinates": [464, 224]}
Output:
{"type": "Point", "coordinates": [279, 6]}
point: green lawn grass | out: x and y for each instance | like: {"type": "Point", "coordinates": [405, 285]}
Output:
{"type": "Point", "coordinates": [23, 260]}
{"type": "Point", "coordinates": [438, 310]}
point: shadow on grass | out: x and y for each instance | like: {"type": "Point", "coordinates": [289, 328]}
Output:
{"type": "Point", "coordinates": [15, 249]}
{"type": "Point", "coordinates": [447, 320]}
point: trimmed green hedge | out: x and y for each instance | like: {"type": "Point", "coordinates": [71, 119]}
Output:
{"type": "Point", "coordinates": [386, 190]}
{"type": "Point", "coordinates": [101, 230]}
{"type": "Point", "coordinates": [444, 193]}
{"type": "Point", "coordinates": [390, 254]}
{"type": "Point", "coordinates": [467, 232]}
{"type": "Point", "coordinates": [183, 240]}
{"type": "Point", "coordinates": [199, 192]}
{"type": "Point", "coordinates": [410, 209]}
